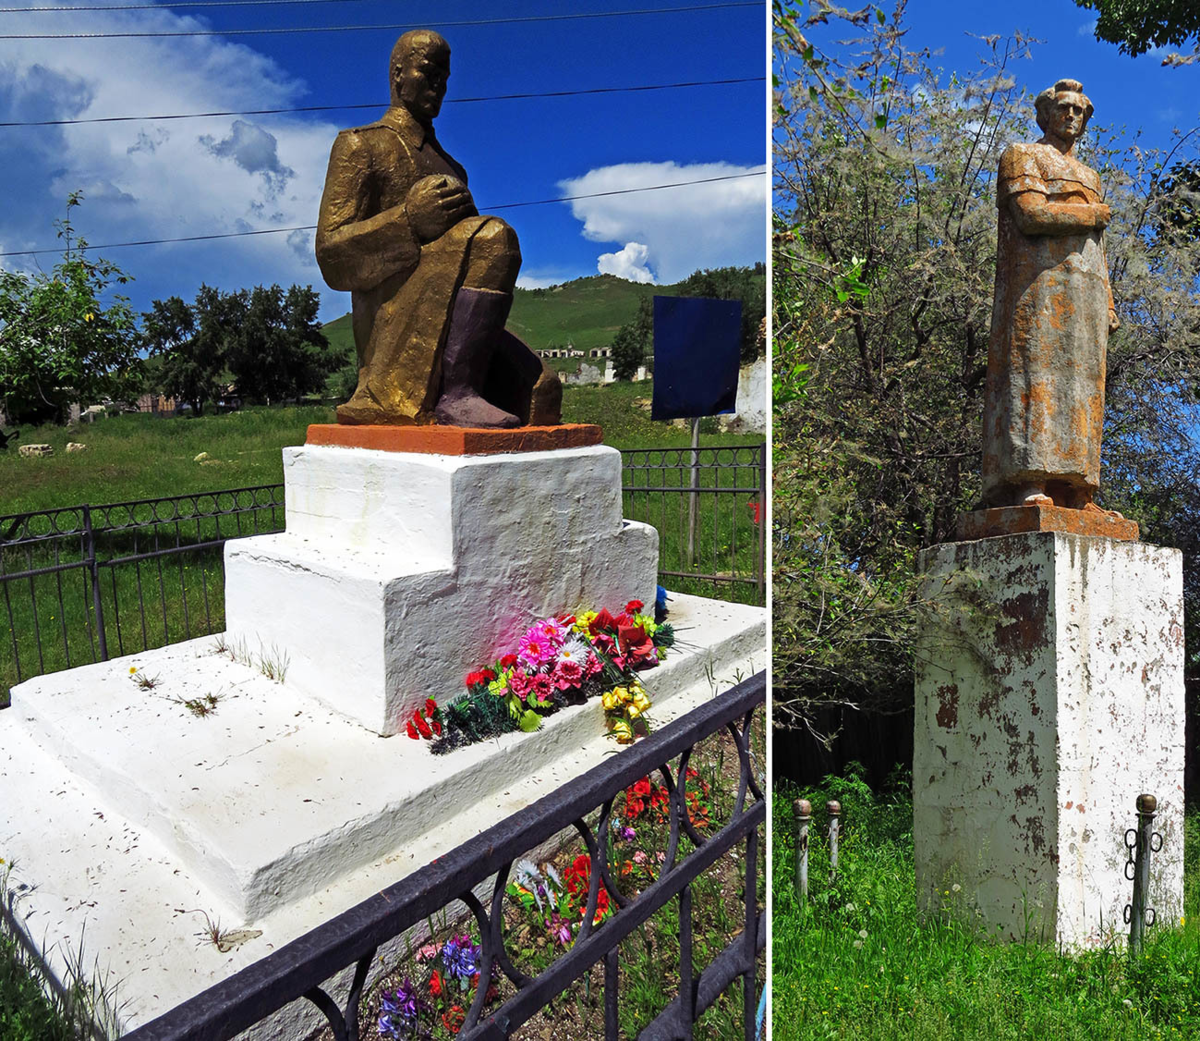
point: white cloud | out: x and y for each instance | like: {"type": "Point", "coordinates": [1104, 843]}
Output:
{"type": "Point", "coordinates": [1088, 28]}
{"type": "Point", "coordinates": [162, 180]}
{"type": "Point", "coordinates": [682, 229]}
{"type": "Point", "coordinates": [629, 263]}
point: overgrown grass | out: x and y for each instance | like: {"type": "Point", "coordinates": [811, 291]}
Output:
{"type": "Point", "coordinates": [858, 963]}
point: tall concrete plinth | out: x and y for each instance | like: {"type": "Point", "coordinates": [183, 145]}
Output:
{"type": "Point", "coordinates": [1049, 694]}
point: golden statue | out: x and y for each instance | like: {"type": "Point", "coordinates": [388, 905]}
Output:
{"type": "Point", "coordinates": [431, 280]}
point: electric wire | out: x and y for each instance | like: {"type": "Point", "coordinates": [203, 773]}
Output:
{"type": "Point", "coordinates": [377, 105]}
{"type": "Point", "coordinates": [312, 227]}
{"type": "Point", "coordinates": [572, 16]}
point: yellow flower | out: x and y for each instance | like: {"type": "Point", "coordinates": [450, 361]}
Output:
{"type": "Point", "coordinates": [634, 711]}
{"type": "Point", "coordinates": [88, 317]}
{"type": "Point", "coordinates": [132, 669]}
{"type": "Point", "coordinates": [582, 621]}
{"type": "Point", "coordinates": [640, 701]}
{"type": "Point", "coordinates": [622, 695]}
{"type": "Point", "coordinates": [608, 701]}
{"type": "Point", "coordinates": [622, 731]}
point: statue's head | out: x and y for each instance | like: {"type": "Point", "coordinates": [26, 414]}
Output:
{"type": "Point", "coordinates": [1063, 110]}
{"type": "Point", "coordinates": [419, 69]}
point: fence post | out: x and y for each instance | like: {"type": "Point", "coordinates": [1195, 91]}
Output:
{"type": "Point", "coordinates": [834, 808]}
{"type": "Point", "coordinates": [89, 547]}
{"type": "Point", "coordinates": [1140, 848]}
{"type": "Point", "coordinates": [803, 811]}
{"type": "Point", "coordinates": [763, 519]}
{"type": "Point", "coordinates": [693, 495]}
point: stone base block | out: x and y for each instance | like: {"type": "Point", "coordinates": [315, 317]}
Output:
{"type": "Point", "coordinates": [1014, 520]}
{"type": "Point", "coordinates": [399, 573]}
{"type": "Point", "coordinates": [1049, 694]}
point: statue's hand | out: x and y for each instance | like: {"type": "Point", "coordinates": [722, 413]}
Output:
{"type": "Point", "coordinates": [435, 204]}
{"type": "Point", "coordinates": [1103, 213]}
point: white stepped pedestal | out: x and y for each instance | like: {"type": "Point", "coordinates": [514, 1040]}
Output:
{"type": "Point", "coordinates": [1049, 695]}
{"type": "Point", "coordinates": [284, 806]}
{"type": "Point", "coordinates": [399, 573]}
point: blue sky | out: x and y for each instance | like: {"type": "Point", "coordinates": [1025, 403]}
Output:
{"type": "Point", "coordinates": [1136, 93]}
{"type": "Point", "coordinates": [151, 180]}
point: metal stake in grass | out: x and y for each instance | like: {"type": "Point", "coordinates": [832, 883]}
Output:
{"type": "Point", "coordinates": [834, 809]}
{"type": "Point", "coordinates": [1141, 842]}
{"type": "Point", "coordinates": [803, 811]}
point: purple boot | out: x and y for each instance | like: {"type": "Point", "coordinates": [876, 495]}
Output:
{"type": "Point", "coordinates": [476, 322]}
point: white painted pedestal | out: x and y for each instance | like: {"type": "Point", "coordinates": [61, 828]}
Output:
{"type": "Point", "coordinates": [134, 818]}
{"type": "Point", "coordinates": [399, 573]}
{"type": "Point", "coordinates": [1049, 694]}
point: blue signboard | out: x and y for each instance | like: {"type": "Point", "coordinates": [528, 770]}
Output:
{"type": "Point", "coordinates": [696, 349]}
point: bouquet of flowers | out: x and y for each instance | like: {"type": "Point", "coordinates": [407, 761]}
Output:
{"type": "Point", "coordinates": [558, 661]}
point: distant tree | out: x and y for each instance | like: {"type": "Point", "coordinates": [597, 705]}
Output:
{"type": "Point", "coordinates": [58, 341]}
{"type": "Point", "coordinates": [633, 341]}
{"type": "Point", "coordinates": [278, 350]}
{"type": "Point", "coordinates": [1137, 25]}
{"type": "Point", "coordinates": [188, 368]}
{"type": "Point", "coordinates": [747, 284]}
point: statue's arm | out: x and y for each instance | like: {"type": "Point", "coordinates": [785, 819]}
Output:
{"type": "Point", "coordinates": [356, 251]}
{"type": "Point", "coordinates": [1035, 214]}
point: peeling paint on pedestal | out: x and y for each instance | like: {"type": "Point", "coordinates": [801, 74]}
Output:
{"type": "Point", "coordinates": [1043, 710]}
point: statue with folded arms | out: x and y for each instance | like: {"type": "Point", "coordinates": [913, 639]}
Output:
{"type": "Point", "coordinates": [430, 279]}
{"type": "Point", "coordinates": [1051, 316]}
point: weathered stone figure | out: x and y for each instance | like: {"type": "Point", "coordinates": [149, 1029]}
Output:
{"type": "Point", "coordinates": [1053, 311]}
{"type": "Point", "coordinates": [430, 279]}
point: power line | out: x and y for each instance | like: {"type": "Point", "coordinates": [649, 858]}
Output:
{"type": "Point", "coordinates": [378, 105]}
{"type": "Point", "coordinates": [312, 227]}
{"type": "Point", "coordinates": [159, 7]}
{"type": "Point", "coordinates": [575, 16]}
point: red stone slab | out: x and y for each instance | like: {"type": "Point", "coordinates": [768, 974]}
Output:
{"type": "Point", "coordinates": [1015, 520]}
{"type": "Point", "coordinates": [444, 440]}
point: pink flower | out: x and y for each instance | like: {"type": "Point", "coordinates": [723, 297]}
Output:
{"type": "Point", "coordinates": [430, 950]}
{"type": "Point", "coordinates": [518, 683]}
{"type": "Point", "coordinates": [568, 673]}
{"type": "Point", "coordinates": [591, 666]}
{"type": "Point", "coordinates": [639, 857]}
{"type": "Point", "coordinates": [541, 686]}
{"type": "Point", "coordinates": [536, 648]}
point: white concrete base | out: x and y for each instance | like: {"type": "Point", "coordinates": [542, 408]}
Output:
{"type": "Point", "coordinates": [1049, 694]}
{"type": "Point", "coordinates": [272, 813]}
{"type": "Point", "coordinates": [400, 573]}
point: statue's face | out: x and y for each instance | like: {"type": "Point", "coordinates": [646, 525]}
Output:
{"type": "Point", "coordinates": [1068, 116]}
{"type": "Point", "coordinates": [422, 81]}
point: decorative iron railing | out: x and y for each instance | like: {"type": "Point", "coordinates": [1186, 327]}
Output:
{"type": "Point", "coordinates": [84, 583]}
{"type": "Point", "coordinates": [301, 968]}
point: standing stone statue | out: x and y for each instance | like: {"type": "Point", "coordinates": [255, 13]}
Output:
{"type": "Point", "coordinates": [431, 280]}
{"type": "Point", "coordinates": [1053, 311]}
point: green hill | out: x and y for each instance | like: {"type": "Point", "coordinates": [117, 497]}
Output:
{"type": "Point", "coordinates": [585, 312]}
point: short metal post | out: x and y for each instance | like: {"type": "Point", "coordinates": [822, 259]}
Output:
{"type": "Point", "coordinates": [802, 808]}
{"type": "Point", "coordinates": [834, 808]}
{"type": "Point", "coordinates": [89, 545]}
{"type": "Point", "coordinates": [1140, 842]}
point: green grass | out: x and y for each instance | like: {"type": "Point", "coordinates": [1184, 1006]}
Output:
{"type": "Point", "coordinates": [938, 980]}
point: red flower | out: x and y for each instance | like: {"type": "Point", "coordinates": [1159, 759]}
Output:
{"type": "Point", "coordinates": [567, 619]}
{"type": "Point", "coordinates": [488, 675]}
{"type": "Point", "coordinates": [454, 1019]}
{"type": "Point", "coordinates": [508, 661]}
{"type": "Point", "coordinates": [412, 731]}
{"type": "Point", "coordinates": [634, 607]}
{"type": "Point", "coordinates": [422, 726]}
{"type": "Point", "coordinates": [437, 727]}
{"type": "Point", "coordinates": [602, 622]}
{"type": "Point", "coordinates": [473, 678]}
{"type": "Point", "coordinates": [641, 787]}
{"type": "Point", "coordinates": [430, 707]}
{"type": "Point", "coordinates": [435, 984]}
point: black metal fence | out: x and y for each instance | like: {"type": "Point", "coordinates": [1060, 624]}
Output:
{"type": "Point", "coordinates": [301, 969]}
{"type": "Point", "coordinates": [85, 583]}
